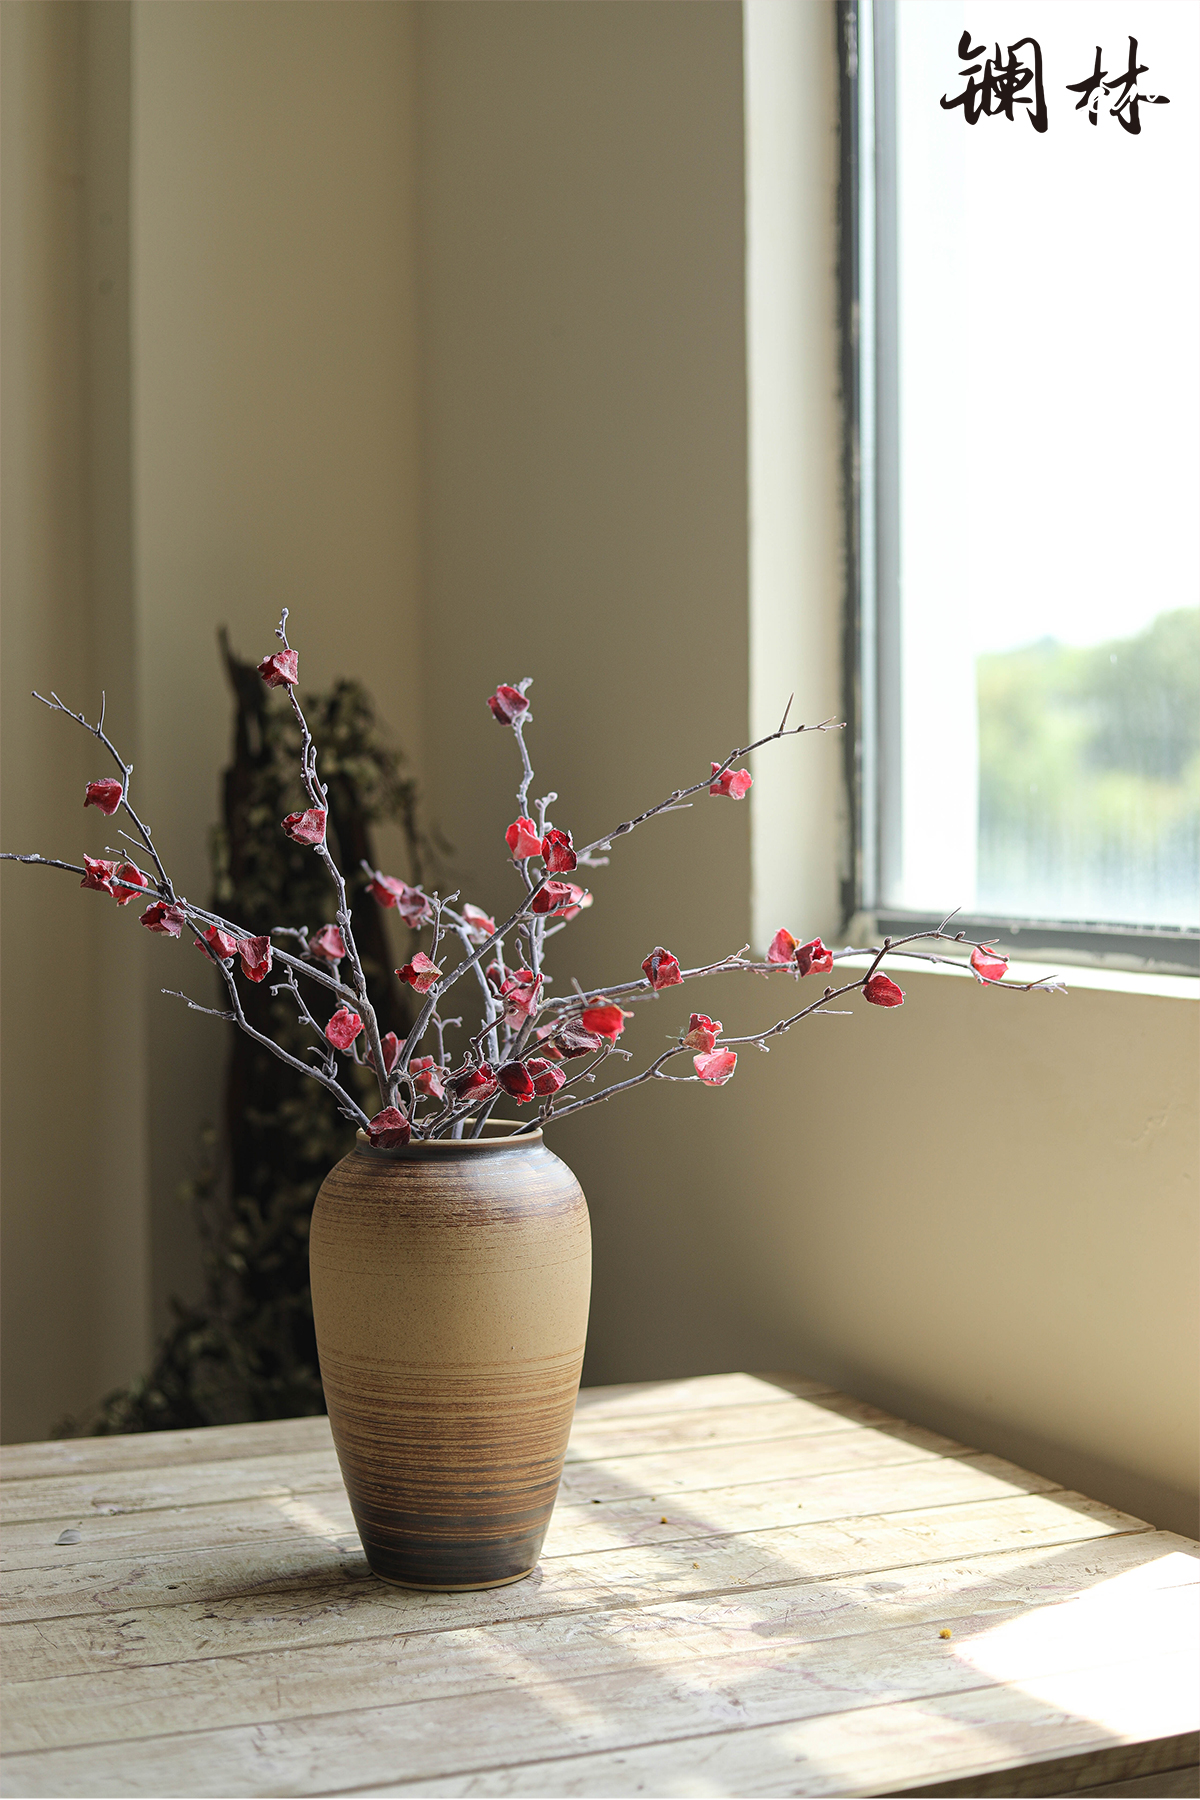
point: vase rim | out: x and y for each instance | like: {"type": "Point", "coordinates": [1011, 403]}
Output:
{"type": "Point", "coordinates": [498, 1134]}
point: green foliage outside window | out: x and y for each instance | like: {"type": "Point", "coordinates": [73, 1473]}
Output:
{"type": "Point", "coordinates": [1089, 777]}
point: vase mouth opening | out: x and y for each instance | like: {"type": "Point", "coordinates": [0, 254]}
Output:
{"type": "Point", "coordinates": [497, 1134]}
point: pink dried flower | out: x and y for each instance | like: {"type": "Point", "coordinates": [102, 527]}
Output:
{"type": "Point", "coordinates": [579, 899]}
{"type": "Point", "coordinates": [427, 1077]}
{"type": "Point", "coordinates": [280, 670]}
{"type": "Point", "coordinates": [558, 854]}
{"type": "Point", "coordinates": [105, 794]}
{"type": "Point", "coordinates": [572, 1039]}
{"type": "Point", "coordinates": [255, 955]}
{"type": "Point", "coordinates": [391, 1045]}
{"type": "Point", "coordinates": [516, 1081]}
{"type": "Point", "coordinates": [164, 918]}
{"type": "Point", "coordinates": [221, 944]}
{"type": "Point", "coordinates": [547, 1076]}
{"type": "Point", "coordinates": [702, 1032]}
{"type": "Point", "coordinates": [343, 1028]}
{"type": "Point", "coordinates": [328, 943]}
{"type": "Point", "coordinates": [607, 1020]}
{"type": "Point", "coordinates": [782, 947]}
{"type": "Point", "coordinates": [507, 704]}
{"type": "Point", "coordinates": [814, 956]}
{"type": "Point", "coordinates": [416, 908]}
{"type": "Point", "coordinates": [734, 782]}
{"type": "Point", "coordinates": [881, 990]}
{"type": "Point", "coordinates": [988, 964]}
{"type": "Point", "coordinates": [661, 969]}
{"type": "Point", "coordinates": [99, 874]}
{"type": "Point", "coordinates": [420, 973]}
{"type": "Point", "coordinates": [306, 827]}
{"type": "Point", "coordinates": [477, 922]}
{"type": "Point", "coordinates": [523, 839]}
{"type": "Point", "coordinates": [389, 1129]}
{"type": "Point", "coordinates": [128, 883]}
{"type": "Point", "coordinates": [715, 1066]}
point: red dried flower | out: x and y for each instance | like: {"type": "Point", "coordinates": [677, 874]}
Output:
{"type": "Point", "coordinates": [420, 973]}
{"type": "Point", "coordinates": [389, 1129]}
{"type": "Point", "coordinates": [328, 943]}
{"type": "Point", "coordinates": [280, 670]}
{"type": "Point", "coordinates": [343, 1028]}
{"type": "Point", "coordinates": [391, 1046]}
{"type": "Point", "coordinates": [734, 782]}
{"type": "Point", "coordinates": [99, 874]}
{"type": "Point", "coordinates": [385, 889]}
{"type": "Point", "coordinates": [881, 990]}
{"type": "Point", "coordinates": [516, 1080]}
{"type": "Point", "coordinates": [814, 956]}
{"type": "Point", "coordinates": [557, 895]}
{"type": "Point", "coordinates": [477, 922]}
{"type": "Point", "coordinates": [128, 883]}
{"type": "Point", "coordinates": [255, 955]}
{"type": "Point", "coordinates": [104, 794]}
{"type": "Point", "coordinates": [782, 947]}
{"type": "Point", "coordinates": [477, 1085]}
{"type": "Point", "coordinates": [661, 969]}
{"type": "Point", "coordinates": [702, 1032]}
{"type": "Point", "coordinates": [494, 976]}
{"type": "Point", "coordinates": [988, 964]}
{"type": "Point", "coordinates": [520, 995]}
{"type": "Point", "coordinates": [167, 920]}
{"type": "Point", "coordinates": [306, 827]}
{"type": "Point", "coordinates": [523, 839]}
{"type": "Point", "coordinates": [558, 853]}
{"type": "Point", "coordinates": [572, 1040]}
{"type": "Point", "coordinates": [607, 1020]}
{"type": "Point", "coordinates": [221, 944]}
{"type": "Point", "coordinates": [547, 1076]}
{"type": "Point", "coordinates": [427, 1077]}
{"type": "Point", "coordinates": [507, 704]}
{"type": "Point", "coordinates": [715, 1066]}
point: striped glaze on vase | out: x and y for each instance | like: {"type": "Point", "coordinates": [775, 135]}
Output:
{"type": "Point", "coordinates": [450, 1289]}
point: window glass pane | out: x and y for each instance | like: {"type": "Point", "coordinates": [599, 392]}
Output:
{"type": "Point", "coordinates": [1049, 463]}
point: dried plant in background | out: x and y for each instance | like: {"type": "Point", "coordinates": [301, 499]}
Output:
{"type": "Point", "coordinates": [246, 1350]}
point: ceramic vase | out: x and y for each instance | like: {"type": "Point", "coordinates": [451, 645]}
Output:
{"type": "Point", "coordinates": [450, 1289]}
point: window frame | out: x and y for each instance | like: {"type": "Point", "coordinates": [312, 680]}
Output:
{"type": "Point", "coordinates": [871, 631]}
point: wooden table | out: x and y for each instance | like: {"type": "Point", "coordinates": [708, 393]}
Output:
{"type": "Point", "coordinates": [752, 1585]}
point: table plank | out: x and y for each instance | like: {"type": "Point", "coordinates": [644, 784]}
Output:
{"type": "Point", "coordinates": [769, 1635]}
{"type": "Point", "coordinates": [320, 1503]}
{"type": "Point", "coordinates": [861, 1753]}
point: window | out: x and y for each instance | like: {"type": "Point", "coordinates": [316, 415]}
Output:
{"type": "Point", "coordinates": [1021, 186]}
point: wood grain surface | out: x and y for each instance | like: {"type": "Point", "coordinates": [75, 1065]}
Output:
{"type": "Point", "coordinates": [214, 1627]}
{"type": "Point", "coordinates": [450, 1288]}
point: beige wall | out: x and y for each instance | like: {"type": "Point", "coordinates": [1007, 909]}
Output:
{"type": "Point", "coordinates": [980, 1209]}
{"type": "Point", "coordinates": [210, 413]}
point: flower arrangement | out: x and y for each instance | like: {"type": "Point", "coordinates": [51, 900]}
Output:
{"type": "Point", "coordinates": [528, 1041]}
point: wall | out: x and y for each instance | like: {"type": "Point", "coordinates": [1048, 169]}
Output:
{"type": "Point", "coordinates": [210, 413]}
{"type": "Point", "coordinates": [981, 1209]}
{"type": "Point", "coordinates": [76, 1267]}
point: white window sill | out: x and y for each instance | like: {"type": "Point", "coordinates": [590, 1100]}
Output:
{"type": "Point", "coordinates": [1075, 975]}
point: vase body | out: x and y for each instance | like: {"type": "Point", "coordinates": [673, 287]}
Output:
{"type": "Point", "coordinates": [450, 1289]}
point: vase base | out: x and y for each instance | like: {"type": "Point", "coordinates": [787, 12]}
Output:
{"type": "Point", "coordinates": [461, 1587]}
